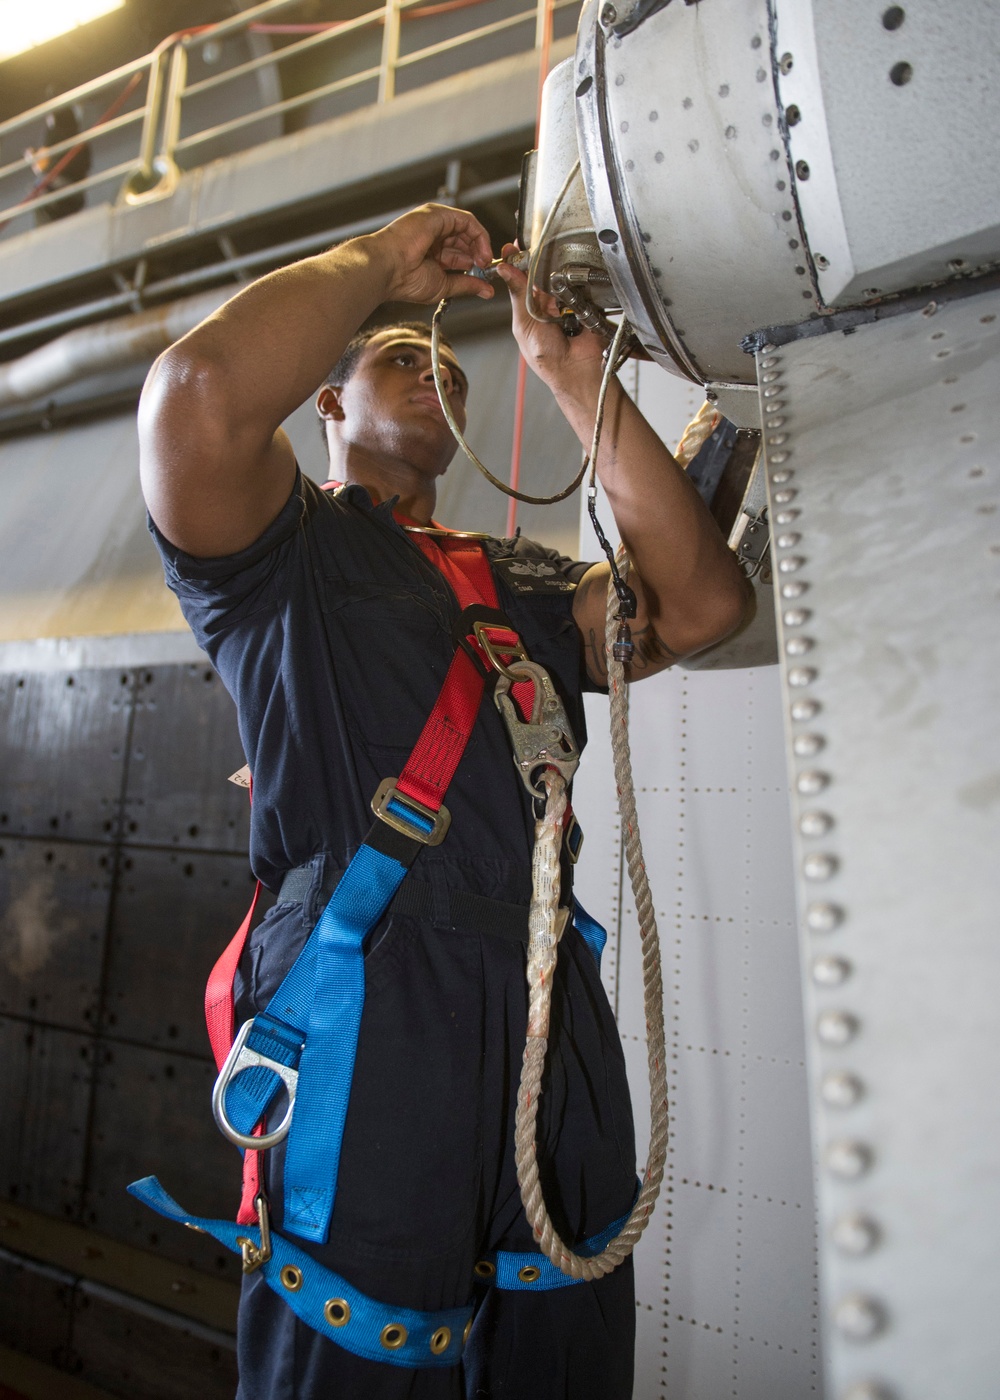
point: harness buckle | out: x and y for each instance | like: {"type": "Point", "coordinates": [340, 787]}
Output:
{"type": "Point", "coordinates": [546, 740]}
{"type": "Point", "coordinates": [479, 621]}
{"type": "Point", "coordinates": [409, 816]}
{"type": "Point", "coordinates": [240, 1058]}
{"type": "Point", "coordinates": [254, 1255]}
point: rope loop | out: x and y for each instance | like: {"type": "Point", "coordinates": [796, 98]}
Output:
{"type": "Point", "coordinates": [542, 952]}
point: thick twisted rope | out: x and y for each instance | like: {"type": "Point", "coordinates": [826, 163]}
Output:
{"type": "Point", "coordinates": [542, 952]}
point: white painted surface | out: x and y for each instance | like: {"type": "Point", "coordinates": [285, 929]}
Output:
{"type": "Point", "coordinates": [726, 1276]}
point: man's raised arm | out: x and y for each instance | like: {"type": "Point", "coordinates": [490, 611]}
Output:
{"type": "Point", "coordinates": [216, 468]}
{"type": "Point", "coordinates": [689, 588]}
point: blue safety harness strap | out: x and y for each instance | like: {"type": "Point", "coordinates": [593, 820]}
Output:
{"type": "Point", "coordinates": [531, 1271]}
{"type": "Point", "coordinates": [593, 934]}
{"type": "Point", "coordinates": [318, 1035]}
{"type": "Point", "coordinates": [326, 1302]}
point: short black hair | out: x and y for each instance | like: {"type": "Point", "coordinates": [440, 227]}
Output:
{"type": "Point", "coordinates": [348, 362]}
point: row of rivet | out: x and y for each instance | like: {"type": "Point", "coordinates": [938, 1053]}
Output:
{"type": "Point", "coordinates": [856, 1316]}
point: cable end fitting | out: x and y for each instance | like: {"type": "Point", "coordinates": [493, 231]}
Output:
{"type": "Point", "coordinates": [624, 647]}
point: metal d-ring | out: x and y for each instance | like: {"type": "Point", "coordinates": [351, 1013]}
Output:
{"type": "Point", "coordinates": [241, 1057]}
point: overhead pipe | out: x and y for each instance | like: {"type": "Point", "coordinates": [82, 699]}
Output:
{"type": "Point", "coordinates": [110, 345]}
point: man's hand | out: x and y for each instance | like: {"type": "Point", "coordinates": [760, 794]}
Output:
{"type": "Point", "coordinates": [426, 255]}
{"type": "Point", "coordinates": [556, 358]}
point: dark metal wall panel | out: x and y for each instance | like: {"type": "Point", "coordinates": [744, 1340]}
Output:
{"type": "Point", "coordinates": [45, 1077]}
{"type": "Point", "coordinates": [35, 1310]}
{"type": "Point", "coordinates": [53, 914]}
{"type": "Point", "coordinates": [174, 913]}
{"type": "Point", "coordinates": [153, 1117]}
{"type": "Point", "coordinates": [141, 1358]}
{"type": "Point", "coordinates": [184, 746]}
{"type": "Point", "coordinates": [62, 752]}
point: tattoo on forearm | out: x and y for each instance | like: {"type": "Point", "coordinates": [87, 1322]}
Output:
{"type": "Point", "coordinates": [650, 652]}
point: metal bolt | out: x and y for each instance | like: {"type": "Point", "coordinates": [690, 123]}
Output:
{"type": "Point", "coordinates": [791, 563]}
{"type": "Point", "coordinates": [788, 541]}
{"type": "Point", "coordinates": [811, 781]}
{"type": "Point", "coordinates": [768, 361]}
{"type": "Point", "coordinates": [806, 745]}
{"type": "Point", "coordinates": [840, 1089]}
{"type": "Point", "coordinates": [608, 14]}
{"type": "Point", "coordinates": [855, 1234]}
{"type": "Point", "coordinates": [785, 63]}
{"type": "Point", "coordinates": [772, 391]}
{"type": "Point", "coordinates": [777, 457]}
{"type": "Point", "coordinates": [836, 1028]}
{"type": "Point", "coordinates": [805, 709]}
{"type": "Point", "coordinates": [819, 866]}
{"type": "Point", "coordinates": [802, 169]}
{"type": "Point", "coordinates": [785, 496]}
{"type": "Point", "coordinates": [773, 420]}
{"type": "Point", "coordinates": [771, 376]}
{"type": "Point", "coordinates": [798, 646]}
{"type": "Point", "coordinates": [859, 1317]}
{"type": "Point", "coordinates": [849, 1159]}
{"type": "Point", "coordinates": [786, 517]}
{"type": "Point", "coordinates": [776, 439]}
{"type": "Point", "coordinates": [821, 262]}
{"type": "Point", "coordinates": [794, 588]}
{"type": "Point", "coordinates": [868, 1390]}
{"type": "Point", "coordinates": [776, 405]}
{"type": "Point", "coordinates": [795, 617]}
{"type": "Point", "coordinates": [779, 478]}
{"type": "Point", "coordinates": [815, 823]}
{"type": "Point", "coordinates": [830, 972]}
{"type": "Point", "coordinates": [792, 115]}
{"type": "Point", "coordinates": [801, 676]}
{"type": "Point", "coordinates": [823, 917]}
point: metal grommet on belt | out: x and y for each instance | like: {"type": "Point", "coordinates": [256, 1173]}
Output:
{"type": "Point", "coordinates": [529, 1273]}
{"type": "Point", "coordinates": [337, 1311]}
{"type": "Point", "coordinates": [440, 1340]}
{"type": "Point", "coordinates": [468, 1329]}
{"type": "Point", "coordinates": [484, 1269]}
{"type": "Point", "coordinates": [393, 1336]}
{"type": "Point", "coordinates": [291, 1278]}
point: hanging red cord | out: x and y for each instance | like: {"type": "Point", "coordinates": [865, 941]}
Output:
{"type": "Point", "coordinates": [522, 368]}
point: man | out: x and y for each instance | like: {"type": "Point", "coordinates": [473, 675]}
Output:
{"type": "Point", "coordinates": [332, 627]}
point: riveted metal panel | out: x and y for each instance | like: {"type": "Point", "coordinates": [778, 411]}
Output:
{"type": "Point", "coordinates": [885, 494]}
{"type": "Point", "coordinates": [132, 1355]}
{"type": "Point", "coordinates": [53, 914]}
{"type": "Point", "coordinates": [153, 1117]}
{"type": "Point", "coordinates": [35, 1309]}
{"type": "Point", "coordinates": [174, 913]}
{"type": "Point", "coordinates": [185, 743]}
{"type": "Point", "coordinates": [683, 162]}
{"type": "Point", "coordinates": [62, 747]}
{"type": "Point", "coordinates": [45, 1077]}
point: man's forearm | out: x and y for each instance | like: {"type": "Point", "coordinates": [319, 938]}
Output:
{"type": "Point", "coordinates": [692, 588]}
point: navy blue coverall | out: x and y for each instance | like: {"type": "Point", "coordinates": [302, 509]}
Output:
{"type": "Point", "coordinates": [332, 632]}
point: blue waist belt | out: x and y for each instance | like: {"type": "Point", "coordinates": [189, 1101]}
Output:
{"type": "Point", "coordinates": [326, 1302]}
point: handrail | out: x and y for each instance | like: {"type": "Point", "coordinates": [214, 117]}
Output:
{"type": "Point", "coordinates": [151, 171]}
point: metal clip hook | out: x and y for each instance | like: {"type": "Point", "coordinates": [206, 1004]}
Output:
{"type": "Point", "coordinates": [254, 1255]}
{"type": "Point", "coordinates": [241, 1057]}
{"type": "Point", "coordinates": [546, 741]}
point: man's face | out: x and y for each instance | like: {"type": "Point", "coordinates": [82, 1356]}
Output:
{"type": "Point", "coordinates": [389, 407]}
